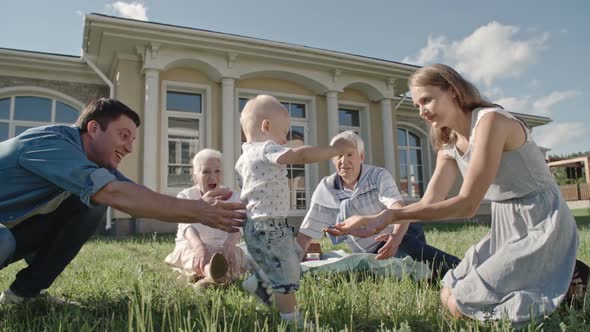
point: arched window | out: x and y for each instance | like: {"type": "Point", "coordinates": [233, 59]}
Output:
{"type": "Point", "coordinates": [21, 112]}
{"type": "Point", "coordinates": [411, 167]}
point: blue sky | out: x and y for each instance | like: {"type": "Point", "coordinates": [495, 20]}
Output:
{"type": "Point", "coordinates": [530, 56]}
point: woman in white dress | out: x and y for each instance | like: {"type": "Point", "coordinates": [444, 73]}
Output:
{"type": "Point", "coordinates": [521, 269]}
{"type": "Point", "coordinates": [208, 255]}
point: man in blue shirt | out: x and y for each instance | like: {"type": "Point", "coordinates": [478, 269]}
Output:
{"type": "Point", "coordinates": [57, 182]}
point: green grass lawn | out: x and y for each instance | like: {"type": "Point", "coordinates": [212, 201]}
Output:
{"type": "Point", "coordinates": [124, 285]}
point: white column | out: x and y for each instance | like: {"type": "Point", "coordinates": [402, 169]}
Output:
{"type": "Point", "coordinates": [150, 128]}
{"type": "Point", "coordinates": [386, 120]}
{"type": "Point", "coordinates": [228, 138]}
{"type": "Point", "coordinates": [332, 100]}
{"type": "Point", "coordinates": [333, 124]}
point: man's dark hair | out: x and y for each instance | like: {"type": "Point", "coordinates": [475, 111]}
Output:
{"type": "Point", "coordinates": [104, 111]}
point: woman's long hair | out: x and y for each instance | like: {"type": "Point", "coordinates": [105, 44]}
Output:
{"type": "Point", "coordinates": [446, 78]}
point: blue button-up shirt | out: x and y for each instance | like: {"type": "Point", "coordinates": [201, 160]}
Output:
{"type": "Point", "coordinates": [43, 163]}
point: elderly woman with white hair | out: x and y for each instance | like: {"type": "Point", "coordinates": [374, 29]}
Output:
{"type": "Point", "coordinates": [207, 255]}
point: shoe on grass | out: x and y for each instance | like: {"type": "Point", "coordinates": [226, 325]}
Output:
{"type": "Point", "coordinates": [8, 297]}
{"type": "Point", "coordinates": [49, 299]}
{"type": "Point", "coordinates": [304, 325]}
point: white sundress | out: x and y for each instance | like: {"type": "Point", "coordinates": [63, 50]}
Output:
{"type": "Point", "coordinates": [522, 268]}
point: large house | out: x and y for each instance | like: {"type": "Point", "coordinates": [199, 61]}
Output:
{"type": "Point", "coordinates": [189, 85]}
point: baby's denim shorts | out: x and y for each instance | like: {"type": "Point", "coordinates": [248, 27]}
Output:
{"type": "Point", "coordinates": [271, 244]}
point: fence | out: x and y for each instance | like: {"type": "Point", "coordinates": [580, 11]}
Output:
{"type": "Point", "coordinates": [576, 192]}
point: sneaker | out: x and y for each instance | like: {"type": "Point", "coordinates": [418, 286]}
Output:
{"type": "Point", "coordinates": [218, 266]}
{"type": "Point", "coordinates": [304, 325]}
{"type": "Point", "coordinates": [300, 323]}
{"type": "Point", "coordinates": [48, 299]}
{"type": "Point", "coordinates": [8, 297]}
{"type": "Point", "coordinates": [259, 289]}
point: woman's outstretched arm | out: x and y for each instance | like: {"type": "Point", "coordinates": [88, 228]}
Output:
{"type": "Point", "coordinates": [494, 132]}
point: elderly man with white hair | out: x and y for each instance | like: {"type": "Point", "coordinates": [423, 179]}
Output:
{"type": "Point", "coordinates": [206, 254]}
{"type": "Point", "coordinates": [360, 189]}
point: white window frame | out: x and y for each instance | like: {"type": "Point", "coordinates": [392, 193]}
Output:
{"type": "Point", "coordinates": [364, 129]}
{"type": "Point", "coordinates": [426, 151]}
{"type": "Point", "coordinates": [205, 132]}
{"type": "Point", "coordinates": [38, 92]}
{"type": "Point", "coordinates": [302, 123]}
{"type": "Point", "coordinates": [425, 144]}
{"type": "Point", "coordinates": [311, 170]}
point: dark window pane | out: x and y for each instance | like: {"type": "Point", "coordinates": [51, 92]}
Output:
{"type": "Point", "coordinates": [285, 104]}
{"type": "Point", "coordinates": [65, 113]}
{"type": "Point", "coordinates": [3, 131]}
{"type": "Point", "coordinates": [242, 103]}
{"type": "Point", "coordinates": [414, 140]}
{"type": "Point", "coordinates": [32, 109]}
{"type": "Point", "coordinates": [4, 108]}
{"type": "Point", "coordinates": [402, 137]}
{"type": "Point", "coordinates": [415, 157]}
{"type": "Point", "coordinates": [297, 111]}
{"type": "Point", "coordinates": [349, 118]}
{"type": "Point", "coordinates": [300, 196]}
{"type": "Point", "coordinates": [185, 153]}
{"type": "Point", "coordinates": [403, 160]}
{"type": "Point", "coordinates": [403, 171]}
{"type": "Point", "coordinates": [183, 102]}
{"type": "Point", "coordinates": [297, 135]}
{"type": "Point", "coordinates": [294, 171]}
{"type": "Point", "coordinates": [172, 152]}
{"type": "Point", "coordinates": [20, 129]}
{"type": "Point", "coordinates": [420, 174]}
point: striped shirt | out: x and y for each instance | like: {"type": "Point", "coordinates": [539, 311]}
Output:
{"type": "Point", "coordinates": [332, 203]}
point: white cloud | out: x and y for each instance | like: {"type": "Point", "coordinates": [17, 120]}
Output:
{"type": "Point", "coordinates": [544, 105]}
{"type": "Point", "coordinates": [433, 50]}
{"type": "Point", "coordinates": [533, 83]}
{"type": "Point", "coordinates": [493, 93]}
{"type": "Point", "coordinates": [538, 106]}
{"type": "Point", "coordinates": [561, 137]}
{"type": "Point", "coordinates": [513, 104]}
{"type": "Point", "coordinates": [133, 10]}
{"type": "Point", "coordinates": [81, 15]}
{"type": "Point", "coordinates": [490, 52]}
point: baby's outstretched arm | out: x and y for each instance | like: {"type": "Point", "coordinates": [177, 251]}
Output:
{"type": "Point", "coordinates": [310, 154]}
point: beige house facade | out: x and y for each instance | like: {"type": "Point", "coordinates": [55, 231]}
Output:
{"type": "Point", "coordinates": [189, 86]}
